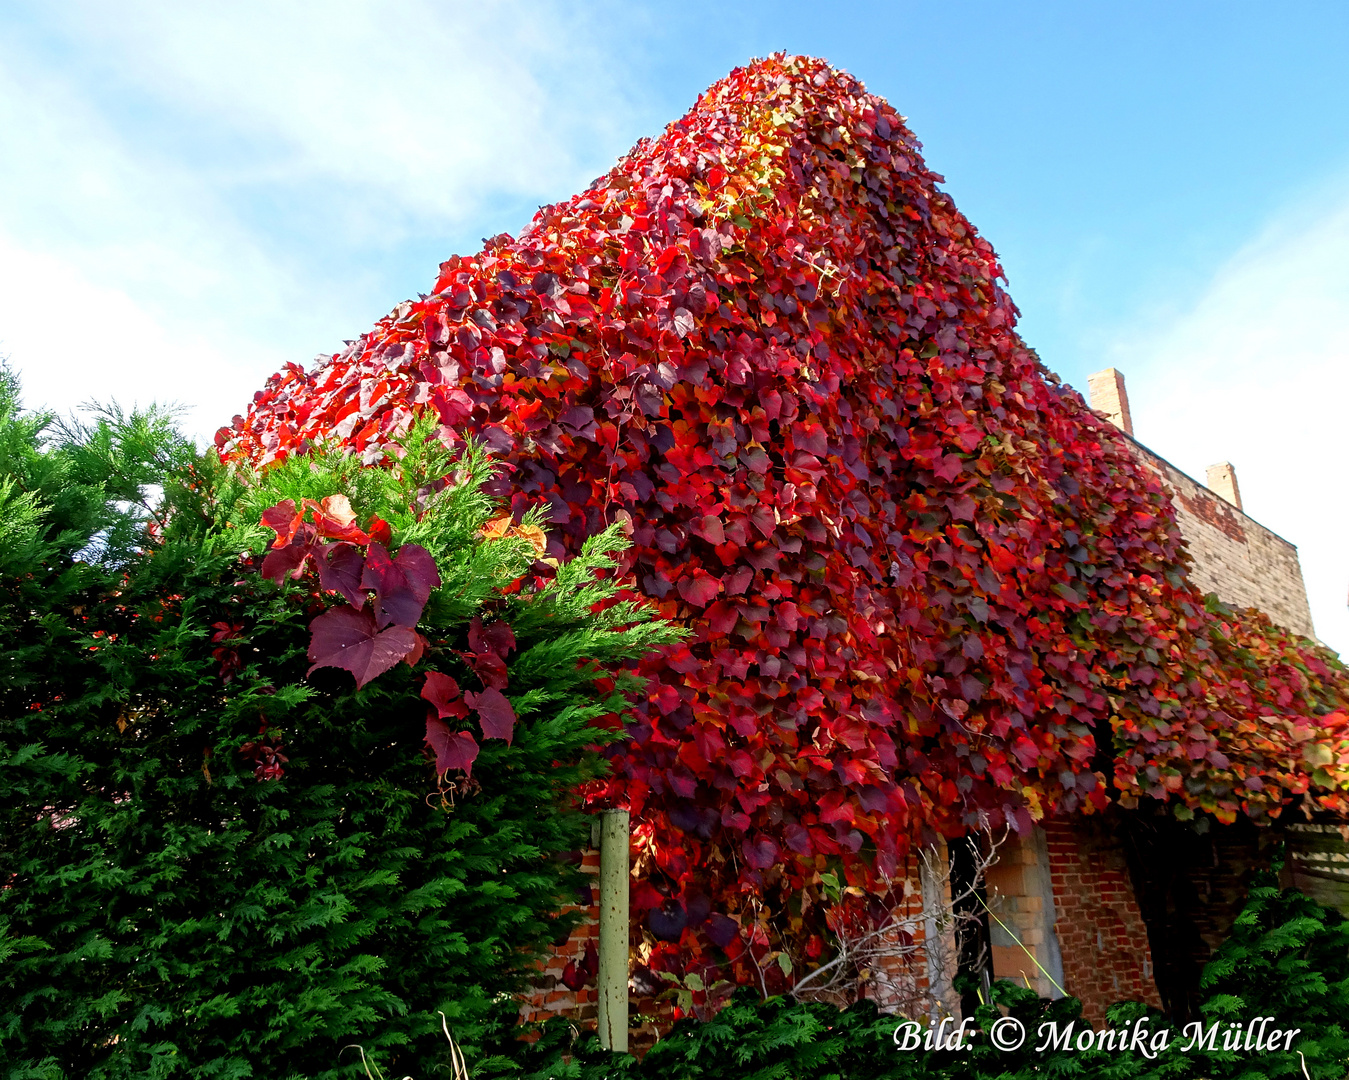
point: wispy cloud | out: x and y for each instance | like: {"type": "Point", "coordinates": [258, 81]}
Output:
{"type": "Point", "coordinates": [193, 194]}
{"type": "Point", "coordinates": [437, 106]}
{"type": "Point", "coordinates": [1257, 372]}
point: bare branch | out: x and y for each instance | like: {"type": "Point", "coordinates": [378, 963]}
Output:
{"type": "Point", "coordinates": [906, 962]}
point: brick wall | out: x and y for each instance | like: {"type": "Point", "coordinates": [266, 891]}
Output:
{"type": "Point", "coordinates": [550, 996]}
{"type": "Point", "coordinates": [1023, 930]}
{"type": "Point", "coordinates": [1101, 936]}
{"type": "Point", "coordinates": [1235, 556]}
{"type": "Point", "coordinates": [902, 977]}
{"type": "Point", "coordinates": [1318, 862]}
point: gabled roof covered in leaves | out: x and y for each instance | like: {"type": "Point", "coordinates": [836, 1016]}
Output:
{"type": "Point", "coordinates": [927, 584]}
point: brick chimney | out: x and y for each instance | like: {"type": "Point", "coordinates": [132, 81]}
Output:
{"type": "Point", "coordinates": [1222, 480]}
{"type": "Point", "coordinates": [1107, 394]}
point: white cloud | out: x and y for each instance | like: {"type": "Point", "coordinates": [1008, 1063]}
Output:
{"type": "Point", "coordinates": [1257, 372]}
{"type": "Point", "coordinates": [75, 340]}
{"type": "Point", "coordinates": [434, 106]}
{"type": "Point", "coordinates": [125, 277]}
{"type": "Point", "coordinates": [192, 195]}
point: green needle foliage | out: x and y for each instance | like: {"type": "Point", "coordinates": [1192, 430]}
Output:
{"type": "Point", "coordinates": [164, 912]}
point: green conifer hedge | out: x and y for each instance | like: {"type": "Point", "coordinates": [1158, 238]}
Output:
{"type": "Point", "coordinates": [215, 865]}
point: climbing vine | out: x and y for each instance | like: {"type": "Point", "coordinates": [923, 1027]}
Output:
{"type": "Point", "coordinates": [929, 589]}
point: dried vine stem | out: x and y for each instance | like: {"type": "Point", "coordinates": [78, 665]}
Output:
{"type": "Point", "coordinates": [908, 960]}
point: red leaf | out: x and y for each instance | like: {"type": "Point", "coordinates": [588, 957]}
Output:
{"type": "Point", "coordinates": [379, 530]}
{"type": "Point", "coordinates": [709, 528]}
{"type": "Point", "coordinates": [418, 649]}
{"type": "Point", "coordinates": [949, 467]}
{"type": "Point", "coordinates": [335, 519]}
{"type": "Point", "coordinates": [835, 807]}
{"type": "Point", "coordinates": [722, 617]}
{"type": "Point", "coordinates": [700, 588]}
{"type": "Point", "coordinates": [572, 979]}
{"type": "Point", "coordinates": [284, 519]}
{"type": "Point", "coordinates": [346, 638]}
{"type": "Point", "coordinates": [1003, 560]}
{"type": "Point", "coordinates": [402, 583]}
{"type": "Point", "coordinates": [453, 749]}
{"type": "Point", "coordinates": [490, 668]}
{"type": "Point", "coordinates": [496, 637]}
{"type": "Point", "coordinates": [290, 559]}
{"type": "Point", "coordinates": [340, 567]}
{"type": "Point", "coordinates": [495, 713]}
{"type": "Point", "coordinates": [443, 692]}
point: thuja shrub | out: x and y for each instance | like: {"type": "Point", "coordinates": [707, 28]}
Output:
{"type": "Point", "coordinates": [220, 857]}
{"type": "Point", "coordinates": [1287, 958]}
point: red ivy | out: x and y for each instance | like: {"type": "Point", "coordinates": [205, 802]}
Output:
{"type": "Point", "coordinates": [924, 579]}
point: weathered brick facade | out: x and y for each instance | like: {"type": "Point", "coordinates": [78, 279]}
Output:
{"type": "Point", "coordinates": [1234, 556]}
{"type": "Point", "coordinates": [1023, 916]}
{"type": "Point", "coordinates": [1101, 935]}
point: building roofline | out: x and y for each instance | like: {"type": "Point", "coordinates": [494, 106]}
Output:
{"type": "Point", "coordinates": [1236, 509]}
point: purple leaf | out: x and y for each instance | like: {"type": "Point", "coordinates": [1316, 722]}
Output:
{"type": "Point", "coordinates": [340, 567]}
{"type": "Point", "coordinates": [346, 638]}
{"type": "Point", "coordinates": [760, 853]}
{"type": "Point", "coordinates": [721, 929]}
{"type": "Point", "coordinates": [546, 284]}
{"type": "Point", "coordinates": [284, 562]}
{"type": "Point", "coordinates": [443, 692]}
{"type": "Point", "coordinates": [700, 588]}
{"type": "Point", "coordinates": [667, 922]}
{"type": "Point", "coordinates": [495, 713]}
{"type": "Point", "coordinates": [402, 583]}
{"type": "Point", "coordinates": [453, 749]}
{"type": "Point", "coordinates": [698, 907]}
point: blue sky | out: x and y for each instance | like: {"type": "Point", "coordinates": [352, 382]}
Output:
{"type": "Point", "coordinates": [192, 195]}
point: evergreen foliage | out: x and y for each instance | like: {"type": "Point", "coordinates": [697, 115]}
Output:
{"type": "Point", "coordinates": [214, 866]}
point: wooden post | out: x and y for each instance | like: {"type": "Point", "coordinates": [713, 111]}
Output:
{"type": "Point", "coordinates": [613, 949]}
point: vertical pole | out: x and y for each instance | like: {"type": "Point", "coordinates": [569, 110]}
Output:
{"type": "Point", "coordinates": [613, 949]}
